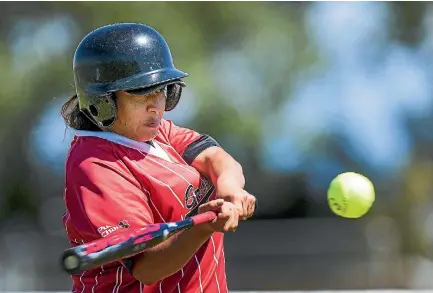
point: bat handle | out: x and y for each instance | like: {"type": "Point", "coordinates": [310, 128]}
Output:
{"type": "Point", "coordinates": [204, 218]}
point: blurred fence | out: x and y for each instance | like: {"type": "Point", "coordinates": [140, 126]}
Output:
{"type": "Point", "coordinates": [303, 254]}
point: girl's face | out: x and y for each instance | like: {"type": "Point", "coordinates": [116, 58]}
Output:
{"type": "Point", "coordinates": [138, 117]}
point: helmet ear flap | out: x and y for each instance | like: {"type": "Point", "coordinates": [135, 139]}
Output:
{"type": "Point", "coordinates": [109, 108]}
{"type": "Point", "coordinates": [174, 91]}
{"type": "Point", "coordinates": [103, 110]}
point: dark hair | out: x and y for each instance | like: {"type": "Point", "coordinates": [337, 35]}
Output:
{"type": "Point", "coordinates": [76, 119]}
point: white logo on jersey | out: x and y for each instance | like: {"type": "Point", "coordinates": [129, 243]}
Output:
{"type": "Point", "coordinates": [104, 231]}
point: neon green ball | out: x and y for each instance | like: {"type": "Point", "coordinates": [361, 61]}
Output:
{"type": "Point", "coordinates": [351, 195]}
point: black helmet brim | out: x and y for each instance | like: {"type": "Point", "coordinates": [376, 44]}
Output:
{"type": "Point", "coordinates": [138, 81]}
{"type": "Point", "coordinates": [147, 80]}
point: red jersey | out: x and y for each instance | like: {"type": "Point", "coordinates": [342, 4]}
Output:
{"type": "Point", "coordinates": [114, 183]}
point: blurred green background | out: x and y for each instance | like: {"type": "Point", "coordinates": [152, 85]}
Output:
{"type": "Point", "coordinates": [296, 91]}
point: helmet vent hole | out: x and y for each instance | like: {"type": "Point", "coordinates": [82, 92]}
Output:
{"type": "Point", "coordinates": [94, 110]}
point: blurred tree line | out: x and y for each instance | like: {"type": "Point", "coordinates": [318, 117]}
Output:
{"type": "Point", "coordinates": [195, 32]}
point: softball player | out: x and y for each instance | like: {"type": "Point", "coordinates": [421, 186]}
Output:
{"type": "Point", "coordinates": [128, 167]}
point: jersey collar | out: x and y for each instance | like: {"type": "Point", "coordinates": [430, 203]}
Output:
{"type": "Point", "coordinates": [154, 149]}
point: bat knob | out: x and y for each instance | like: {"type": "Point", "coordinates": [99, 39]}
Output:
{"type": "Point", "coordinates": [70, 262]}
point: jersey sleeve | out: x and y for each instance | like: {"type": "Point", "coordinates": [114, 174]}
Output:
{"type": "Point", "coordinates": [103, 199]}
{"type": "Point", "coordinates": [187, 142]}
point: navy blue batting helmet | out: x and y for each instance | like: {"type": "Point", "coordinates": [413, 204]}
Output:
{"type": "Point", "coordinates": [125, 56]}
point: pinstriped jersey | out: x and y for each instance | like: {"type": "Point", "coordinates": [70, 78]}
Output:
{"type": "Point", "coordinates": [113, 183]}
